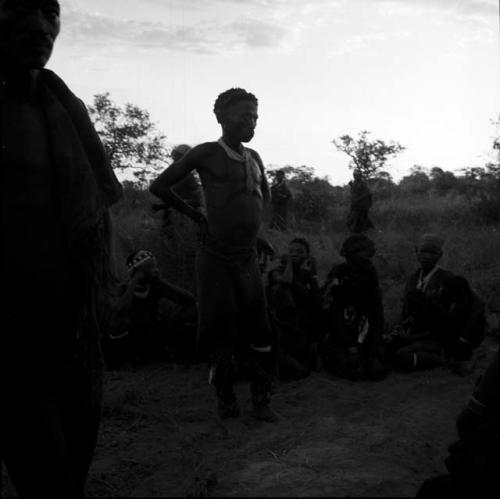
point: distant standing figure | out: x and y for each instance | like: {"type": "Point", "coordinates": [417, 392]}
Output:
{"type": "Point", "coordinates": [361, 202]}
{"type": "Point", "coordinates": [281, 197]}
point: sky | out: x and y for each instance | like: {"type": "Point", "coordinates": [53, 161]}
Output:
{"type": "Point", "coordinates": [424, 73]}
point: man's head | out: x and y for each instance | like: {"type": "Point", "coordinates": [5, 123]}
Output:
{"type": "Point", "coordinates": [429, 251]}
{"type": "Point", "coordinates": [358, 249]}
{"type": "Point", "coordinates": [142, 261]}
{"type": "Point", "coordinates": [298, 249]}
{"type": "Point", "coordinates": [28, 30]}
{"type": "Point", "coordinates": [357, 175]}
{"type": "Point", "coordinates": [280, 175]}
{"type": "Point", "coordinates": [236, 111]}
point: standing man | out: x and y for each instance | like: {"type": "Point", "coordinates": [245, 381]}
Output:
{"type": "Point", "coordinates": [361, 201]}
{"type": "Point", "coordinates": [232, 306]}
{"type": "Point", "coordinates": [57, 187]}
{"type": "Point", "coordinates": [281, 196]}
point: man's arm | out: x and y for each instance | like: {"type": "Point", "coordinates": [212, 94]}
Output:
{"type": "Point", "coordinates": [161, 187]}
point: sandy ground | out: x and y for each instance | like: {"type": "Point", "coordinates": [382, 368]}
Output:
{"type": "Point", "coordinates": [160, 436]}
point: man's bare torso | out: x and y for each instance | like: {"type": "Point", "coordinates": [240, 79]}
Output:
{"type": "Point", "coordinates": [234, 211]}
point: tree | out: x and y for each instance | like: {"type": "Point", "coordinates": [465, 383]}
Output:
{"type": "Point", "coordinates": [294, 174]}
{"type": "Point", "coordinates": [130, 137]}
{"type": "Point", "coordinates": [417, 182]}
{"type": "Point", "coordinates": [367, 155]}
{"type": "Point", "coordinates": [442, 181]}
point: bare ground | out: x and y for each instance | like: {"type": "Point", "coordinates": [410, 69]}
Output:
{"type": "Point", "coordinates": [160, 436]}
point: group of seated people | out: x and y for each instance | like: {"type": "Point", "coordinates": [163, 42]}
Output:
{"type": "Point", "coordinates": [337, 325]}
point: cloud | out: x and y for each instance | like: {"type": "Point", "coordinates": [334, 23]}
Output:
{"type": "Point", "coordinates": [85, 28]}
{"type": "Point", "coordinates": [472, 9]}
{"type": "Point", "coordinates": [357, 42]}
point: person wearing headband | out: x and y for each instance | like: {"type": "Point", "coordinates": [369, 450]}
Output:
{"type": "Point", "coordinates": [150, 316]}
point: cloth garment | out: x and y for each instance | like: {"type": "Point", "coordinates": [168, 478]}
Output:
{"type": "Point", "coordinates": [50, 360]}
{"type": "Point", "coordinates": [232, 303]}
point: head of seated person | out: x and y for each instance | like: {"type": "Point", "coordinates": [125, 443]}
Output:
{"type": "Point", "coordinates": [429, 251]}
{"type": "Point", "coordinates": [358, 250]}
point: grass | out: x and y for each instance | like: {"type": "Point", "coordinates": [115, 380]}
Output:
{"type": "Point", "coordinates": [471, 249]}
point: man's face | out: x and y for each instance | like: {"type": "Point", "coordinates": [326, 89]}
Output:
{"type": "Point", "coordinates": [239, 120]}
{"type": "Point", "coordinates": [428, 256]}
{"type": "Point", "coordinates": [28, 30]}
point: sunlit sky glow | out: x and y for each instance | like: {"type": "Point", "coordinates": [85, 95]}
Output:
{"type": "Point", "coordinates": [425, 73]}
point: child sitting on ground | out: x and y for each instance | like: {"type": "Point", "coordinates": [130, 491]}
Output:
{"type": "Point", "coordinates": [293, 298]}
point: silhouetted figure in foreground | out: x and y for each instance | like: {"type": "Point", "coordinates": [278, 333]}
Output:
{"type": "Point", "coordinates": [57, 186]}
{"type": "Point", "coordinates": [361, 202]}
{"type": "Point", "coordinates": [232, 307]}
{"type": "Point", "coordinates": [473, 460]}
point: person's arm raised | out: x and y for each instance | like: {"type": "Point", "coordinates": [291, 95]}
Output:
{"type": "Point", "coordinates": [161, 187]}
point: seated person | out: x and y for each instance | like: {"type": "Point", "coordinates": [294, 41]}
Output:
{"type": "Point", "coordinates": [473, 460]}
{"type": "Point", "coordinates": [150, 316]}
{"type": "Point", "coordinates": [293, 300]}
{"type": "Point", "coordinates": [265, 252]}
{"type": "Point", "coordinates": [442, 318]}
{"type": "Point", "coordinates": [354, 315]}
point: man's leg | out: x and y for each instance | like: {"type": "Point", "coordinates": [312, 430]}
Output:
{"type": "Point", "coordinates": [254, 321]}
{"type": "Point", "coordinates": [216, 329]}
